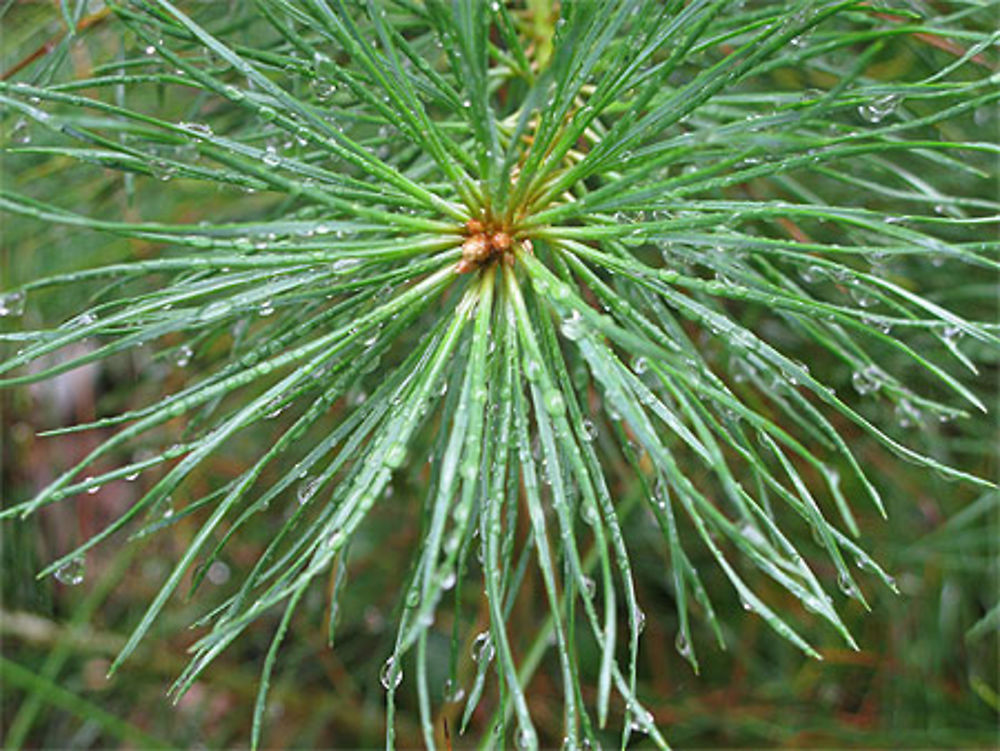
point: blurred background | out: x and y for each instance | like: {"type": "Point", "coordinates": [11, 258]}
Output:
{"type": "Point", "coordinates": [926, 676]}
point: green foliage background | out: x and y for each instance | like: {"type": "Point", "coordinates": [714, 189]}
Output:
{"type": "Point", "coordinates": [925, 673]}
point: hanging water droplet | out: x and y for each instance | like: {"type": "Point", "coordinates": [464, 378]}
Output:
{"type": "Point", "coordinates": [94, 489]}
{"type": "Point", "coordinates": [452, 693]}
{"type": "Point", "coordinates": [870, 378]}
{"type": "Point", "coordinates": [846, 585]}
{"type": "Point", "coordinates": [271, 158]}
{"type": "Point", "coordinates": [879, 108]}
{"type": "Point", "coordinates": [951, 334]}
{"type": "Point", "coordinates": [641, 720]}
{"type": "Point", "coordinates": [266, 308]}
{"type": "Point", "coordinates": [307, 489]}
{"type": "Point", "coordinates": [589, 430]}
{"type": "Point", "coordinates": [12, 304]}
{"type": "Point", "coordinates": [72, 571]}
{"type": "Point", "coordinates": [482, 647]}
{"type": "Point", "coordinates": [907, 415]}
{"type": "Point", "coordinates": [525, 738]}
{"type": "Point", "coordinates": [391, 674]}
{"type": "Point", "coordinates": [183, 355]}
{"type": "Point", "coordinates": [640, 621]}
{"type": "Point", "coordinates": [214, 310]}
{"type": "Point", "coordinates": [555, 405]}
{"type": "Point", "coordinates": [682, 645]}
{"type": "Point", "coordinates": [200, 129]}
{"type": "Point", "coordinates": [343, 265]}
{"type": "Point", "coordinates": [862, 295]}
{"type": "Point", "coordinates": [589, 587]}
{"type": "Point", "coordinates": [84, 319]}
{"type": "Point", "coordinates": [448, 580]}
{"type": "Point", "coordinates": [572, 327]}
{"type": "Point", "coordinates": [532, 369]}
{"type": "Point", "coordinates": [218, 573]}
{"type": "Point", "coordinates": [395, 455]}
{"type": "Point", "coordinates": [639, 365]}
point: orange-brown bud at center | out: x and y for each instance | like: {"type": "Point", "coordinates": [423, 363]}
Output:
{"type": "Point", "coordinates": [484, 243]}
{"type": "Point", "coordinates": [476, 249]}
{"type": "Point", "coordinates": [500, 241]}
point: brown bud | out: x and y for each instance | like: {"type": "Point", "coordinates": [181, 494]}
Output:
{"type": "Point", "coordinates": [500, 241]}
{"type": "Point", "coordinates": [474, 227]}
{"type": "Point", "coordinates": [476, 249]}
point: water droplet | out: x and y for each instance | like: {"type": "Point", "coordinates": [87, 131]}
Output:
{"type": "Point", "coordinates": [271, 158]}
{"type": "Point", "coordinates": [307, 489]}
{"type": "Point", "coordinates": [233, 93]}
{"type": "Point", "coordinates": [572, 327]}
{"type": "Point", "coordinates": [555, 405]}
{"type": "Point", "coordinates": [525, 738]}
{"type": "Point", "coordinates": [682, 645]}
{"type": "Point", "coordinates": [482, 647]}
{"type": "Point", "coordinates": [448, 580]}
{"type": "Point", "coordinates": [395, 455]}
{"type": "Point", "coordinates": [868, 379]}
{"type": "Point", "coordinates": [12, 304]}
{"type": "Point", "coordinates": [639, 365]}
{"type": "Point", "coordinates": [214, 310]}
{"type": "Point", "coordinates": [150, 50]}
{"type": "Point", "coordinates": [951, 333]}
{"type": "Point", "coordinates": [589, 429]}
{"type": "Point", "coordinates": [589, 587]}
{"type": "Point", "coordinates": [84, 319]}
{"type": "Point", "coordinates": [847, 586]}
{"type": "Point", "coordinates": [640, 621]}
{"type": "Point", "coordinates": [532, 369]}
{"type": "Point", "coordinates": [879, 108]}
{"type": "Point", "coordinates": [453, 693]}
{"type": "Point", "coordinates": [218, 573]}
{"type": "Point", "coordinates": [343, 265]}
{"type": "Point", "coordinates": [94, 489]}
{"type": "Point", "coordinates": [588, 512]}
{"type": "Point", "coordinates": [391, 674]}
{"type": "Point", "coordinates": [861, 294]}
{"type": "Point", "coordinates": [641, 720]}
{"type": "Point", "coordinates": [907, 415]}
{"type": "Point", "coordinates": [266, 308]}
{"type": "Point", "coordinates": [72, 571]}
{"type": "Point", "coordinates": [200, 129]}
{"type": "Point", "coordinates": [183, 355]}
